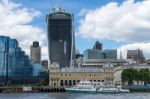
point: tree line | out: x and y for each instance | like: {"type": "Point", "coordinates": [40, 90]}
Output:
{"type": "Point", "coordinates": [135, 75]}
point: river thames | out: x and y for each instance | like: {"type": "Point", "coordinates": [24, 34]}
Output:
{"type": "Point", "coordinates": [73, 96]}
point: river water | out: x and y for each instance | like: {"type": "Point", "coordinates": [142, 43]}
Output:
{"type": "Point", "coordinates": [73, 96]}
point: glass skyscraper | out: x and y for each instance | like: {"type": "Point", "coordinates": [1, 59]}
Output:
{"type": "Point", "coordinates": [61, 39]}
{"type": "Point", "coordinates": [15, 65]}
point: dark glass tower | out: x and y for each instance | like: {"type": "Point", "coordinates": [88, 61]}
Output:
{"type": "Point", "coordinates": [61, 37]}
{"type": "Point", "coordinates": [98, 45]}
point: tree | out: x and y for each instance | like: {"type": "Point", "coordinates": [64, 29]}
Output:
{"type": "Point", "coordinates": [128, 75]}
{"type": "Point", "coordinates": [144, 76]}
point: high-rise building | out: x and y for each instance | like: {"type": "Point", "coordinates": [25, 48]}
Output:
{"type": "Point", "coordinates": [15, 65]}
{"type": "Point", "coordinates": [61, 41]}
{"type": "Point", "coordinates": [136, 55]}
{"type": "Point", "coordinates": [35, 52]}
{"type": "Point", "coordinates": [98, 45]}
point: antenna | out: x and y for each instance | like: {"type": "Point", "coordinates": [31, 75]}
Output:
{"type": "Point", "coordinates": [52, 6]}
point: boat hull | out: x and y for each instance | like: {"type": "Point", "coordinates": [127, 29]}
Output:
{"type": "Point", "coordinates": [92, 91]}
{"type": "Point", "coordinates": [80, 91]}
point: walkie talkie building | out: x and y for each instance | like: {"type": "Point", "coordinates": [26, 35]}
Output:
{"type": "Point", "coordinates": [61, 37]}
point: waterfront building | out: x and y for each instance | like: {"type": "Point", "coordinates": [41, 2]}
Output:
{"type": "Point", "coordinates": [118, 71]}
{"type": "Point", "coordinates": [35, 52]}
{"type": "Point", "coordinates": [71, 76]}
{"type": "Point", "coordinates": [40, 74]}
{"type": "Point", "coordinates": [136, 55]}
{"type": "Point", "coordinates": [98, 45]}
{"type": "Point", "coordinates": [16, 67]}
{"type": "Point", "coordinates": [61, 40]}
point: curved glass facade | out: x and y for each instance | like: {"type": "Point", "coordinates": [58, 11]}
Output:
{"type": "Point", "coordinates": [60, 37]}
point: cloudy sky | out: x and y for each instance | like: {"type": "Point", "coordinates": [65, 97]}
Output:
{"type": "Point", "coordinates": [118, 24]}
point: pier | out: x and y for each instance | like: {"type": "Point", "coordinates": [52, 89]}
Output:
{"type": "Point", "coordinates": [32, 90]}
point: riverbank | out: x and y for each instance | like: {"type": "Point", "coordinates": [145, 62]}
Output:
{"type": "Point", "coordinates": [45, 89]}
{"type": "Point", "coordinates": [28, 89]}
{"type": "Point", "coordinates": [138, 88]}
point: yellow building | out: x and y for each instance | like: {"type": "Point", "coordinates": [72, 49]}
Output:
{"type": "Point", "coordinates": [71, 76]}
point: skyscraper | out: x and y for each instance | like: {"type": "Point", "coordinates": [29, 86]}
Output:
{"type": "Point", "coordinates": [16, 67]}
{"type": "Point", "coordinates": [35, 52]}
{"type": "Point", "coordinates": [14, 63]}
{"type": "Point", "coordinates": [98, 45]}
{"type": "Point", "coordinates": [61, 40]}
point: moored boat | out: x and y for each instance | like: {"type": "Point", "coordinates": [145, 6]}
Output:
{"type": "Point", "coordinates": [95, 87]}
{"type": "Point", "coordinates": [82, 87]}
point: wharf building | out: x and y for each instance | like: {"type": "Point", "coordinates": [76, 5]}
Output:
{"type": "Point", "coordinates": [95, 65]}
{"type": "Point", "coordinates": [61, 41]}
{"type": "Point", "coordinates": [16, 67]}
{"type": "Point", "coordinates": [35, 52]}
{"type": "Point", "coordinates": [118, 71]}
{"type": "Point", "coordinates": [65, 77]}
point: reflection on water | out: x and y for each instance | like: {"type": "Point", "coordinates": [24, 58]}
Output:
{"type": "Point", "coordinates": [73, 96]}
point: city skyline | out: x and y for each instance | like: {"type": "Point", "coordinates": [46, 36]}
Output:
{"type": "Point", "coordinates": [110, 23]}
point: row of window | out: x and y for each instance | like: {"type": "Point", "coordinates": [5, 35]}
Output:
{"type": "Point", "coordinates": [91, 75]}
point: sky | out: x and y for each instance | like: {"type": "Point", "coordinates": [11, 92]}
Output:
{"type": "Point", "coordinates": [117, 24]}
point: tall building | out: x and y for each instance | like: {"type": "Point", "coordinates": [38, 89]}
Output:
{"type": "Point", "coordinates": [98, 45]}
{"type": "Point", "coordinates": [35, 52]}
{"type": "Point", "coordinates": [61, 41]}
{"type": "Point", "coordinates": [16, 67]}
{"type": "Point", "coordinates": [136, 55]}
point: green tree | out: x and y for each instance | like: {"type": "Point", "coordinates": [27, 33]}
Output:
{"type": "Point", "coordinates": [144, 76]}
{"type": "Point", "coordinates": [130, 75]}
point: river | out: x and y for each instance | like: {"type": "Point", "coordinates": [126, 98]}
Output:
{"type": "Point", "coordinates": [73, 96]}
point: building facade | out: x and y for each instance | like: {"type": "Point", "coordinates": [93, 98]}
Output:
{"type": "Point", "coordinates": [16, 67]}
{"type": "Point", "coordinates": [61, 41]}
{"type": "Point", "coordinates": [136, 55]}
{"type": "Point", "coordinates": [35, 52]}
{"type": "Point", "coordinates": [98, 54]}
{"type": "Point", "coordinates": [118, 71]}
{"type": "Point", "coordinates": [71, 76]}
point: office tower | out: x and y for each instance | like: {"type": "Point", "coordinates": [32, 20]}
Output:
{"type": "Point", "coordinates": [110, 53]}
{"type": "Point", "coordinates": [14, 63]}
{"type": "Point", "coordinates": [136, 55]}
{"type": "Point", "coordinates": [98, 45]}
{"type": "Point", "coordinates": [61, 41]}
{"type": "Point", "coordinates": [97, 54]}
{"type": "Point", "coordinates": [16, 67]}
{"type": "Point", "coordinates": [35, 52]}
